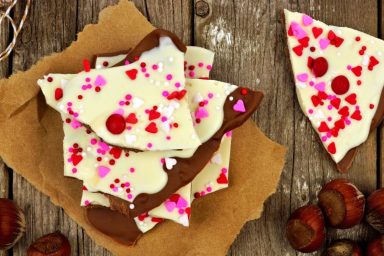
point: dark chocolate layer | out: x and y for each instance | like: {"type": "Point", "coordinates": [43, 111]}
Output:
{"type": "Point", "coordinates": [114, 224]}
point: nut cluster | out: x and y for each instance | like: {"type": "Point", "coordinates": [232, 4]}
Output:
{"type": "Point", "coordinates": [341, 205]}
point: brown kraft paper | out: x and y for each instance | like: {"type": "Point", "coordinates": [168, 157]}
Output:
{"type": "Point", "coordinates": [31, 136]}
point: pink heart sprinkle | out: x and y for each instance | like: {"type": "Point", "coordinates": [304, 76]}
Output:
{"type": "Point", "coordinates": [320, 86]}
{"type": "Point", "coordinates": [181, 203]}
{"type": "Point", "coordinates": [239, 106]}
{"type": "Point", "coordinates": [103, 145]}
{"type": "Point", "coordinates": [75, 124]}
{"type": "Point", "coordinates": [201, 112]}
{"type": "Point", "coordinates": [170, 206]}
{"type": "Point", "coordinates": [119, 111]}
{"type": "Point", "coordinates": [323, 43]}
{"type": "Point", "coordinates": [103, 171]}
{"type": "Point", "coordinates": [100, 81]}
{"type": "Point", "coordinates": [297, 31]}
{"type": "Point", "coordinates": [302, 77]}
{"type": "Point", "coordinates": [307, 20]}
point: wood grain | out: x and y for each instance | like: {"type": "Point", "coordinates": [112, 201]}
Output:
{"type": "Point", "coordinates": [248, 39]}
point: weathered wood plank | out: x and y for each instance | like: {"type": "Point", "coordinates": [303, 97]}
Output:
{"type": "Point", "coordinates": [247, 37]}
{"type": "Point", "coordinates": [50, 28]}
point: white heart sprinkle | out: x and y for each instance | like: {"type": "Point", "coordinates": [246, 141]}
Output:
{"type": "Point", "coordinates": [170, 162]}
{"type": "Point", "coordinates": [137, 102]}
{"type": "Point", "coordinates": [130, 138]}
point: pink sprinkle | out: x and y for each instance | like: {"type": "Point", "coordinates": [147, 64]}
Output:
{"type": "Point", "coordinates": [84, 87]}
{"type": "Point", "coordinates": [202, 193]}
{"type": "Point", "coordinates": [357, 107]}
{"type": "Point", "coordinates": [229, 134]}
{"type": "Point", "coordinates": [143, 70]}
{"type": "Point", "coordinates": [224, 170]}
{"type": "Point", "coordinates": [128, 96]}
{"type": "Point", "coordinates": [149, 145]}
{"type": "Point", "coordinates": [69, 103]}
{"type": "Point", "coordinates": [324, 138]}
{"type": "Point", "coordinates": [127, 184]}
{"type": "Point", "coordinates": [330, 107]}
{"type": "Point", "coordinates": [146, 75]}
{"type": "Point", "coordinates": [132, 169]}
{"type": "Point", "coordinates": [165, 93]}
{"type": "Point", "coordinates": [75, 114]}
{"type": "Point", "coordinates": [329, 134]}
{"type": "Point", "coordinates": [146, 111]}
{"type": "Point", "coordinates": [129, 196]}
{"type": "Point", "coordinates": [210, 95]}
{"type": "Point", "coordinates": [121, 103]}
{"type": "Point", "coordinates": [209, 189]}
{"type": "Point", "coordinates": [155, 67]}
{"type": "Point", "coordinates": [191, 74]}
{"type": "Point", "coordinates": [347, 121]}
{"type": "Point", "coordinates": [86, 202]}
{"type": "Point", "coordinates": [129, 128]}
{"type": "Point", "coordinates": [209, 67]}
{"type": "Point", "coordinates": [349, 67]}
{"type": "Point", "coordinates": [87, 79]}
{"type": "Point", "coordinates": [329, 119]}
{"type": "Point", "coordinates": [126, 62]}
{"type": "Point", "coordinates": [93, 141]}
{"type": "Point", "coordinates": [205, 102]}
{"type": "Point", "coordinates": [200, 64]}
{"type": "Point", "coordinates": [168, 137]}
{"type": "Point", "coordinates": [164, 119]}
{"type": "Point", "coordinates": [310, 111]}
{"type": "Point", "coordinates": [181, 211]}
{"type": "Point", "coordinates": [177, 84]}
{"type": "Point", "coordinates": [89, 86]}
{"type": "Point", "coordinates": [70, 149]}
{"type": "Point", "coordinates": [169, 77]}
{"type": "Point", "coordinates": [311, 83]}
{"type": "Point", "coordinates": [74, 170]}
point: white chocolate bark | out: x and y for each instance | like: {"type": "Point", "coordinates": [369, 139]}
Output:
{"type": "Point", "coordinates": [139, 106]}
{"type": "Point", "coordinates": [338, 76]}
{"type": "Point", "coordinates": [106, 62]}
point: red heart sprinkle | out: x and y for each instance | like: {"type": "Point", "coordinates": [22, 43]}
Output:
{"type": "Point", "coordinates": [290, 32]}
{"type": "Point", "coordinates": [335, 131]}
{"type": "Point", "coordinates": [357, 70]}
{"type": "Point", "coordinates": [151, 128]}
{"type": "Point", "coordinates": [76, 159]}
{"type": "Point", "coordinates": [340, 124]}
{"type": "Point", "coordinates": [222, 179]}
{"type": "Point", "coordinates": [174, 198]}
{"type": "Point", "coordinates": [322, 95]}
{"type": "Point", "coordinates": [177, 95]}
{"type": "Point", "coordinates": [298, 50]}
{"type": "Point", "coordinates": [115, 124]}
{"type": "Point", "coordinates": [332, 148]}
{"type": "Point", "coordinates": [334, 39]}
{"type": "Point", "coordinates": [157, 220]}
{"type": "Point", "coordinates": [317, 31]}
{"type": "Point", "coordinates": [115, 152]}
{"type": "Point", "coordinates": [58, 93]}
{"type": "Point", "coordinates": [304, 41]}
{"type": "Point", "coordinates": [153, 114]}
{"type": "Point", "coordinates": [340, 84]}
{"type": "Point", "coordinates": [344, 111]}
{"type": "Point", "coordinates": [315, 100]}
{"type": "Point", "coordinates": [336, 103]}
{"type": "Point", "coordinates": [372, 62]}
{"type": "Point", "coordinates": [356, 115]}
{"type": "Point", "coordinates": [132, 73]}
{"type": "Point", "coordinates": [131, 118]}
{"type": "Point", "coordinates": [351, 99]}
{"type": "Point", "coordinates": [319, 66]}
{"type": "Point", "coordinates": [323, 127]}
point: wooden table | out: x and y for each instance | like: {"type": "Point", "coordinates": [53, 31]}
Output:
{"type": "Point", "coordinates": [247, 37]}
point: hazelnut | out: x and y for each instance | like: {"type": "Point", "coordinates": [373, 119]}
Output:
{"type": "Point", "coordinates": [376, 247]}
{"type": "Point", "coordinates": [342, 203]}
{"type": "Point", "coordinates": [375, 210]}
{"type": "Point", "coordinates": [305, 229]}
{"type": "Point", "coordinates": [343, 247]}
{"type": "Point", "coordinates": [55, 244]}
{"type": "Point", "coordinates": [12, 223]}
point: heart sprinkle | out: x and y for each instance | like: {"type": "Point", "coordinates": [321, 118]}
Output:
{"type": "Point", "coordinates": [239, 106]}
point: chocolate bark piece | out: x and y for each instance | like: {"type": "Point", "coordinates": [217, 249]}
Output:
{"type": "Point", "coordinates": [304, 28]}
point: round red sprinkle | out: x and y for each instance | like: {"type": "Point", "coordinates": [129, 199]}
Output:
{"type": "Point", "coordinates": [192, 67]}
{"type": "Point", "coordinates": [175, 125]}
{"type": "Point", "coordinates": [67, 120]}
{"type": "Point", "coordinates": [196, 195]}
{"type": "Point", "coordinates": [244, 91]}
{"type": "Point", "coordinates": [111, 162]}
{"type": "Point", "coordinates": [320, 66]}
{"type": "Point", "coordinates": [75, 145]}
{"type": "Point", "coordinates": [80, 150]}
{"type": "Point", "coordinates": [58, 93]}
{"type": "Point", "coordinates": [198, 120]}
{"type": "Point", "coordinates": [364, 48]}
{"type": "Point", "coordinates": [117, 181]}
{"type": "Point", "coordinates": [127, 154]}
{"type": "Point", "coordinates": [371, 106]}
{"type": "Point", "coordinates": [115, 124]}
{"type": "Point", "coordinates": [105, 63]}
{"type": "Point", "coordinates": [99, 158]}
{"type": "Point", "coordinates": [88, 131]}
{"type": "Point", "coordinates": [358, 82]}
{"type": "Point", "coordinates": [357, 38]}
{"type": "Point", "coordinates": [340, 85]}
{"type": "Point", "coordinates": [312, 49]}
{"type": "Point", "coordinates": [128, 190]}
{"type": "Point", "coordinates": [111, 186]}
{"type": "Point", "coordinates": [143, 65]}
{"type": "Point", "coordinates": [122, 185]}
{"type": "Point", "coordinates": [201, 103]}
{"type": "Point", "coordinates": [49, 79]}
{"type": "Point", "coordinates": [80, 97]}
{"type": "Point", "coordinates": [97, 88]}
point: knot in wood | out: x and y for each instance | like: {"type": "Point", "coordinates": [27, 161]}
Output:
{"type": "Point", "coordinates": [202, 8]}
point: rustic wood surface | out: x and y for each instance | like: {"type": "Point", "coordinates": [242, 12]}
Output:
{"type": "Point", "coordinates": [247, 37]}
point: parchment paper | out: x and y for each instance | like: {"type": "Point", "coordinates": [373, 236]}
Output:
{"type": "Point", "coordinates": [31, 137]}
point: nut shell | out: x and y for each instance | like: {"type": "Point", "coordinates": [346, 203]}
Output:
{"type": "Point", "coordinates": [375, 210]}
{"type": "Point", "coordinates": [342, 203]}
{"type": "Point", "coordinates": [343, 247]}
{"type": "Point", "coordinates": [12, 223]}
{"type": "Point", "coordinates": [305, 229]}
{"type": "Point", "coordinates": [54, 244]}
{"type": "Point", "coordinates": [376, 247]}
